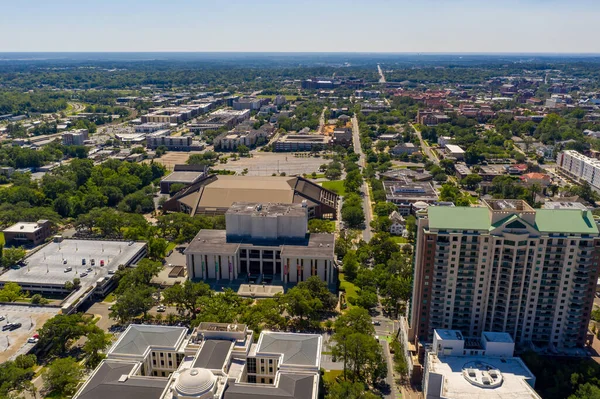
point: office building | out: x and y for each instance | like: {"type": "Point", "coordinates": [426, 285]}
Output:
{"type": "Point", "coordinates": [250, 103]}
{"type": "Point", "coordinates": [262, 242]}
{"type": "Point", "coordinates": [75, 137]}
{"type": "Point", "coordinates": [458, 367]}
{"type": "Point", "coordinates": [579, 167]}
{"type": "Point", "coordinates": [173, 143]}
{"type": "Point", "coordinates": [218, 119]}
{"type": "Point", "coordinates": [506, 267]}
{"type": "Point", "coordinates": [25, 233]}
{"type": "Point", "coordinates": [301, 142]}
{"type": "Point", "coordinates": [182, 175]}
{"type": "Point", "coordinates": [405, 194]}
{"type": "Point", "coordinates": [151, 127]}
{"type": "Point", "coordinates": [215, 361]}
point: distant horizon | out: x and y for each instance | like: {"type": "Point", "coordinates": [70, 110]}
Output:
{"type": "Point", "coordinates": [315, 26]}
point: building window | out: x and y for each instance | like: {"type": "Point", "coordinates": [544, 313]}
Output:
{"type": "Point", "coordinates": [252, 379]}
{"type": "Point", "coordinates": [251, 366]}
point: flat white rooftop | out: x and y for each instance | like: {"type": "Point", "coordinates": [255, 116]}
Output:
{"type": "Point", "coordinates": [47, 265]}
{"type": "Point", "coordinates": [23, 227]}
{"type": "Point", "coordinates": [455, 386]}
{"type": "Point", "coordinates": [497, 337]}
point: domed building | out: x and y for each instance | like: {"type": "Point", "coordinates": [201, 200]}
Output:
{"type": "Point", "coordinates": [195, 383]}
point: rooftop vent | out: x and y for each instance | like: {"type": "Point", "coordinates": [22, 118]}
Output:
{"type": "Point", "coordinates": [123, 378]}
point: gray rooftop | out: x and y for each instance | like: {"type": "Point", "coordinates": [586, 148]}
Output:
{"type": "Point", "coordinates": [266, 209]}
{"type": "Point", "coordinates": [217, 242]}
{"type": "Point", "coordinates": [46, 266]}
{"type": "Point", "coordinates": [213, 354]}
{"type": "Point", "coordinates": [297, 349]}
{"type": "Point", "coordinates": [137, 338]}
{"type": "Point", "coordinates": [183, 177]}
{"type": "Point", "coordinates": [25, 227]}
{"type": "Point", "coordinates": [291, 386]}
{"type": "Point", "coordinates": [104, 383]}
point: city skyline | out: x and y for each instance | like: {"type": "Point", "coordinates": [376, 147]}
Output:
{"type": "Point", "coordinates": [464, 26]}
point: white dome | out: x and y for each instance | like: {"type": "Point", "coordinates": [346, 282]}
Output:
{"type": "Point", "coordinates": [420, 204]}
{"type": "Point", "coordinates": [195, 382]}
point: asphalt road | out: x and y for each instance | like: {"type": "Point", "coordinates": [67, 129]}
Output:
{"type": "Point", "coordinates": [367, 234]}
{"type": "Point", "coordinates": [382, 76]}
{"type": "Point", "coordinates": [426, 149]}
{"type": "Point", "coordinates": [390, 374]}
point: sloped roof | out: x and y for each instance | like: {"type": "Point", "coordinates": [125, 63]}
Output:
{"type": "Point", "coordinates": [105, 383]}
{"type": "Point", "coordinates": [565, 221]}
{"type": "Point", "coordinates": [291, 386]}
{"type": "Point", "coordinates": [297, 349]}
{"type": "Point", "coordinates": [137, 338]}
{"type": "Point", "coordinates": [213, 354]}
{"type": "Point", "coordinates": [458, 218]}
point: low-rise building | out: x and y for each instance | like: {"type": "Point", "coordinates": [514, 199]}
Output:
{"type": "Point", "coordinates": [218, 119]}
{"type": "Point", "coordinates": [404, 194]}
{"type": "Point", "coordinates": [28, 232]}
{"type": "Point", "coordinates": [404, 148]}
{"type": "Point", "coordinates": [443, 140]}
{"type": "Point", "coordinates": [398, 226]}
{"type": "Point", "coordinates": [301, 142]}
{"type": "Point", "coordinates": [173, 143]}
{"type": "Point", "coordinates": [454, 151]}
{"type": "Point", "coordinates": [250, 103]}
{"type": "Point", "coordinates": [458, 367]}
{"type": "Point", "coordinates": [342, 136]}
{"type": "Point", "coordinates": [151, 127]}
{"type": "Point", "coordinates": [542, 179]}
{"type": "Point", "coordinates": [262, 242]}
{"type": "Point", "coordinates": [215, 361]}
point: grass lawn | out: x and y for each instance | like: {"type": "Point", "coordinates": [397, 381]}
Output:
{"type": "Point", "coordinates": [110, 298]}
{"type": "Point", "coordinates": [472, 200]}
{"type": "Point", "coordinates": [171, 246]}
{"type": "Point", "coordinates": [337, 186]}
{"type": "Point", "coordinates": [2, 239]}
{"type": "Point", "coordinates": [318, 176]}
{"type": "Point", "coordinates": [350, 289]}
{"type": "Point", "coordinates": [399, 240]}
{"type": "Point", "coordinates": [330, 375]}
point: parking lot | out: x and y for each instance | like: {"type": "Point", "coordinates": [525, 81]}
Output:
{"type": "Point", "coordinates": [14, 343]}
{"type": "Point", "coordinates": [267, 163]}
{"type": "Point", "coordinates": [172, 158]}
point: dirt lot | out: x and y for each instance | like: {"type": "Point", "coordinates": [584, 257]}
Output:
{"type": "Point", "coordinates": [267, 163]}
{"type": "Point", "coordinates": [13, 343]}
{"type": "Point", "coordinates": [172, 158]}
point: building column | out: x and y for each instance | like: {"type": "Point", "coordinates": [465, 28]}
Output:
{"type": "Point", "coordinates": [260, 254]}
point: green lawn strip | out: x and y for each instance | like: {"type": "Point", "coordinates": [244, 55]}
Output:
{"type": "Point", "coordinates": [336, 186]}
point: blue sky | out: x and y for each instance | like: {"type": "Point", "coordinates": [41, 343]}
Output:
{"type": "Point", "coordinates": [301, 25]}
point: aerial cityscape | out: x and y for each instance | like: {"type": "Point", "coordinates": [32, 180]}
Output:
{"type": "Point", "coordinates": [189, 212]}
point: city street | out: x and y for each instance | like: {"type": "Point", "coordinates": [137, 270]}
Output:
{"type": "Point", "coordinates": [367, 234]}
{"type": "Point", "coordinates": [426, 149]}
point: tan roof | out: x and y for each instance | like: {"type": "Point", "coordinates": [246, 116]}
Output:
{"type": "Point", "coordinates": [229, 189]}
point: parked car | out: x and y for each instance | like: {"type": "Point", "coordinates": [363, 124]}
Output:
{"type": "Point", "coordinates": [161, 308]}
{"type": "Point", "coordinates": [64, 261]}
{"type": "Point", "coordinates": [83, 261]}
{"type": "Point", "coordinates": [89, 269]}
{"type": "Point", "coordinates": [111, 272]}
{"type": "Point", "coordinates": [6, 327]}
{"type": "Point", "coordinates": [2, 318]}
{"type": "Point", "coordinates": [376, 323]}
{"type": "Point", "coordinates": [83, 274]}
{"type": "Point", "coordinates": [93, 262]}
{"type": "Point", "coordinates": [101, 262]}
{"type": "Point", "coordinates": [14, 326]}
{"type": "Point", "coordinates": [34, 339]}
{"type": "Point", "coordinates": [68, 269]}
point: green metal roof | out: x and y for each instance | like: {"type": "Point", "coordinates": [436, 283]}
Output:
{"type": "Point", "coordinates": [565, 221]}
{"type": "Point", "coordinates": [569, 221]}
{"type": "Point", "coordinates": [458, 218]}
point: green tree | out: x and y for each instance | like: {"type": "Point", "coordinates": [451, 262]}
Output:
{"type": "Point", "coordinates": [471, 181]}
{"type": "Point", "coordinates": [10, 292]}
{"type": "Point", "coordinates": [97, 341]}
{"type": "Point", "coordinates": [62, 376]}
{"type": "Point", "coordinates": [59, 331]}
{"type": "Point", "coordinates": [185, 296]}
{"type": "Point", "coordinates": [348, 390]}
{"type": "Point", "coordinates": [135, 301]}
{"type": "Point", "coordinates": [10, 256]}
{"type": "Point", "coordinates": [157, 248]}
{"type": "Point", "coordinates": [243, 150]}
{"type": "Point", "coordinates": [353, 215]}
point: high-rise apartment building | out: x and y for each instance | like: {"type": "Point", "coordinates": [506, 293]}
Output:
{"type": "Point", "coordinates": [579, 167]}
{"type": "Point", "coordinates": [506, 267]}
